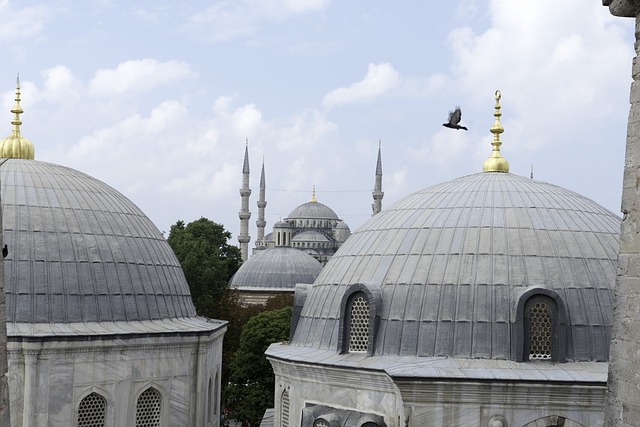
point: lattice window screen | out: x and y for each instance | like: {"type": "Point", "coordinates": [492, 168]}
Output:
{"type": "Point", "coordinates": [359, 324]}
{"type": "Point", "coordinates": [540, 333]}
{"type": "Point", "coordinates": [148, 408]}
{"type": "Point", "coordinates": [92, 410]}
{"type": "Point", "coordinates": [320, 423]}
{"type": "Point", "coordinates": [285, 408]}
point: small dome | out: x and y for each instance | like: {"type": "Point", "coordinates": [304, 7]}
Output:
{"type": "Point", "coordinates": [310, 236]}
{"type": "Point", "coordinates": [276, 269]}
{"type": "Point", "coordinates": [281, 224]}
{"type": "Point", "coordinates": [451, 262]}
{"type": "Point", "coordinates": [312, 210]}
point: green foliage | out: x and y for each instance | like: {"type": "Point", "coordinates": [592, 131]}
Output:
{"type": "Point", "coordinates": [250, 390]}
{"type": "Point", "coordinates": [208, 262]}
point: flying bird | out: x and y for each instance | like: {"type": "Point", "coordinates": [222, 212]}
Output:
{"type": "Point", "coordinates": [454, 119]}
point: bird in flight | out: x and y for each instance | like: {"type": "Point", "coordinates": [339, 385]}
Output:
{"type": "Point", "coordinates": [454, 119]}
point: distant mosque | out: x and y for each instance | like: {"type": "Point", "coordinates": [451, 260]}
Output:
{"type": "Point", "coordinates": [297, 248]}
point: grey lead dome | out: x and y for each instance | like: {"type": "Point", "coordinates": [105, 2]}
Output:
{"type": "Point", "coordinates": [79, 251]}
{"type": "Point", "coordinates": [452, 260]}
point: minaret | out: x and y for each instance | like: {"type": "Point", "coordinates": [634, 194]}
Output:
{"type": "Point", "coordinates": [495, 162]}
{"type": "Point", "coordinates": [377, 189]}
{"type": "Point", "coordinates": [244, 214]}
{"type": "Point", "coordinates": [262, 203]}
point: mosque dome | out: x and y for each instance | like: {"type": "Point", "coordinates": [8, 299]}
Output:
{"type": "Point", "coordinates": [79, 251]}
{"type": "Point", "coordinates": [278, 268]}
{"type": "Point", "coordinates": [313, 210]}
{"type": "Point", "coordinates": [451, 261]}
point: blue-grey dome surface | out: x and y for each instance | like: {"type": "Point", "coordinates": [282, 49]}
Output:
{"type": "Point", "coordinates": [79, 251]}
{"type": "Point", "coordinates": [312, 210]}
{"type": "Point", "coordinates": [276, 268]}
{"type": "Point", "coordinates": [451, 261]}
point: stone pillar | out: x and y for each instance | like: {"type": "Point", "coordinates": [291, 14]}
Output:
{"type": "Point", "coordinates": [244, 214]}
{"type": "Point", "coordinates": [30, 353]}
{"type": "Point", "coordinates": [623, 392]}
{"type": "Point", "coordinates": [377, 189]}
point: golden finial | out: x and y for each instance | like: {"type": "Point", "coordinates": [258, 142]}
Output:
{"type": "Point", "coordinates": [16, 146]}
{"type": "Point", "coordinates": [313, 196]}
{"type": "Point", "coordinates": [495, 162]}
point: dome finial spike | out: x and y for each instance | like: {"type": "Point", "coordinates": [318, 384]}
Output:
{"type": "Point", "coordinates": [495, 162]}
{"type": "Point", "coordinates": [313, 195]}
{"type": "Point", "coordinates": [17, 110]}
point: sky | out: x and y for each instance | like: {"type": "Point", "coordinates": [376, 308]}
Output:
{"type": "Point", "coordinates": [158, 98]}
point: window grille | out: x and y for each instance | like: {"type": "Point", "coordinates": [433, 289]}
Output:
{"type": "Point", "coordinates": [285, 409]}
{"type": "Point", "coordinates": [359, 324]}
{"type": "Point", "coordinates": [540, 331]}
{"type": "Point", "coordinates": [320, 423]}
{"type": "Point", "coordinates": [148, 408]}
{"type": "Point", "coordinates": [92, 410]}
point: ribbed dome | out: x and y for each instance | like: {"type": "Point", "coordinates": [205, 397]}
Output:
{"type": "Point", "coordinates": [276, 268]}
{"type": "Point", "coordinates": [312, 210]}
{"type": "Point", "coordinates": [310, 236]}
{"type": "Point", "coordinates": [79, 251]}
{"type": "Point", "coordinates": [452, 260]}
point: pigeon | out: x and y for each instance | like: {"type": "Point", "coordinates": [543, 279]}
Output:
{"type": "Point", "coordinates": [5, 251]}
{"type": "Point", "coordinates": [454, 119]}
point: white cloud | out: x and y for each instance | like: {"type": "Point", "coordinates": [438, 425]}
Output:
{"type": "Point", "coordinates": [380, 79]}
{"type": "Point", "coordinates": [21, 24]}
{"type": "Point", "coordinates": [226, 20]}
{"type": "Point", "coordinates": [138, 76]}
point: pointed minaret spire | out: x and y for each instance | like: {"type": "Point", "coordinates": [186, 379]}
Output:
{"type": "Point", "coordinates": [16, 146]}
{"type": "Point", "coordinates": [531, 171]}
{"type": "Point", "coordinates": [262, 203]}
{"type": "Point", "coordinates": [495, 162]}
{"type": "Point", "coordinates": [377, 189]}
{"type": "Point", "coordinates": [245, 214]}
{"type": "Point", "coordinates": [313, 195]}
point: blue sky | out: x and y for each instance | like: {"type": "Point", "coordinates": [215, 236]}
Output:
{"type": "Point", "coordinates": [157, 98]}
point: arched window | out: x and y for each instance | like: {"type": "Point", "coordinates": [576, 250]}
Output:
{"type": "Point", "coordinates": [541, 329]}
{"type": "Point", "coordinates": [360, 316]}
{"type": "Point", "coordinates": [148, 408]}
{"type": "Point", "coordinates": [92, 411]}
{"type": "Point", "coordinates": [284, 412]}
{"type": "Point", "coordinates": [210, 401]}
{"type": "Point", "coordinates": [358, 323]}
{"type": "Point", "coordinates": [320, 423]}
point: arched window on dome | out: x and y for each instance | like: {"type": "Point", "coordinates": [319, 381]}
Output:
{"type": "Point", "coordinates": [284, 408]}
{"type": "Point", "coordinates": [359, 319]}
{"type": "Point", "coordinates": [541, 326]}
{"type": "Point", "coordinates": [92, 411]}
{"type": "Point", "coordinates": [148, 408]}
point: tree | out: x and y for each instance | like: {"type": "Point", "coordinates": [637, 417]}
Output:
{"type": "Point", "coordinates": [208, 262]}
{"type": "Point", "coordinates": [250, 391]}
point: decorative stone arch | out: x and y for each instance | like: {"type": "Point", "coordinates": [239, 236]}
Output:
{"type": "Point", "coordinates": [553, 421]}
{"type": "Point", "coordinates": [92, 402]}
{"type": "Point", "coordinates": [148, 390]}
{"type": "Point", "coordinates": [541, 297]}
{"type": "Point", "coordinates": [368, 301]}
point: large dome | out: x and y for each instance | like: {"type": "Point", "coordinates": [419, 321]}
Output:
{"type": "Point", "coordinates": [79, 251]}
{"type": "Point", "coordinates": [451, 262]}
{"type": "Point", "coordinates": [312, 210]}
{"type": "Point", "coordinates": [279, 268]}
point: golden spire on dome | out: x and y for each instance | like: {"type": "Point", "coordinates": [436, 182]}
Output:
{"type": "Point", "coordinates": [313, 196]}
{"type": "Point", "coordinates": [495, 162]}
{"type": "Point", "coordinates": [16, 146]}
